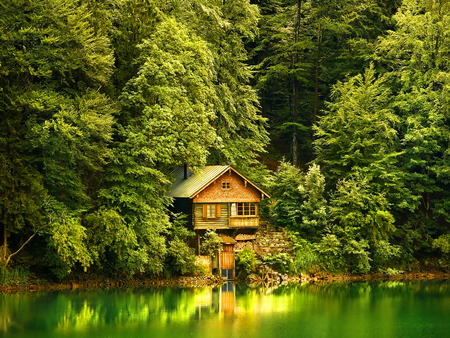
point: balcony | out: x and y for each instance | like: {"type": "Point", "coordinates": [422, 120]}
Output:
{"type": "Point", "coordinates": [244, 222]}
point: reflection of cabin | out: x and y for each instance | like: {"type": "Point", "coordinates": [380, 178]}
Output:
{"type": "Point", "coordinates": [218, 197]}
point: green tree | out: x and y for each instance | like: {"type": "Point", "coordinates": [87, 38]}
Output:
{"type": "Point", "coordinates": [226, 26]}
{"type": "Point", "coordinates": [362, 224]}
{"type": "Point", "coordinates": [186, 95]}
{"type": "Point", "coordinates": [304, 48]}
{"type": "Point", "coordinates": [359, 134]}
{"type": "Point", "coordinates": [287, 197]}
{"type": "Point", "coordinates": [211, 243]}
{"type": "Point", "coordinates": [314, 208]}
{"type": "Point", "coordinates": [180, 257]}
{"type": "Point", "coordinates": [414, 57]}
{"type": "Point", "coordinates": [166, 113]}
{"type": "Point", "coordinates": [57, 124]}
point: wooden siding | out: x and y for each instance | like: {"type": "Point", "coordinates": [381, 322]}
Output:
{"type": "Point", "coordinates": [201, 222]}
{"type": "Point", "coordinates": [243, 222]}
{"type": "Point", "coordinates": [225, 221]}
{"type": "Point", "coordinates": [239, 191]}
{"type": "Point", "coordinates": [227, 259]}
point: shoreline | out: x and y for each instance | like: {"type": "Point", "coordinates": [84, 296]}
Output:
{"type": "Point", "coordinates": [211, 280]}
{"type": "Point", "coordinates": [408, 276]}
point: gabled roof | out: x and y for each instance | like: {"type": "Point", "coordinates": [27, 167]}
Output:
{"type": "Point", "coordinates": [195, 183]}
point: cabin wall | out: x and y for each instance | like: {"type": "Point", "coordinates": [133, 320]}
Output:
{"type": "Point", "coordinates": [238, 190]}
{"type": "Point", "coordinates": [201, 222]}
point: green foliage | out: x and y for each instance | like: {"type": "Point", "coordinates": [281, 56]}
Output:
{"type": "Point", "coordinates": [314, 208]}
{"type": "Point", "coordinates": [300, 203]}
{"type": "Point", "coordinates": [284, 190]}
{"type": "Point", "coordinates": [110, 240]}
{"type": "Point", "coordinates": [57, 124]}
{"type": "Point", "coordinates": [225, 26]}
{"type": "Point", "coordinates": [354, 208]}
{"type": "Point", "coordinates": [331, 255]}
{"type": "Point", "coordinates": [67, 246]}
{"type": "Point", "coordinates": [101, 100]}
{"type": "Point", "coordinates": [357, 256]}
{"type": "Point", "coordinates": [442, 243]}
{"type": "Point", "coordinates": [381, 143]}
{"type": "Point", "coordinates": [180, 258]}
{"type": "Point", "coordinates": [387, 254]}
{"type": "Point", "coordinates": [246, 262]}
{"type": "Point", "coordinates": [171, 97]}
{"type": "Point", "coordinates": [362, 222]}
{"type": "Point", "coordinates": [358, 132]}
{"type": "Point", "coordinates": [280, 262]}
{"type": "Point", "coordinates": [14, 276]}
{"type": "Point", "coordinates": [66, 239]}
{"type": "Point", "coordinates": [414, 59]}
{"type": "Point", "coordinates": [304, 48]}
{"type": "Point", "coordinates": [306, 255]}
{"type": "Point", "coordinates": [211, 243]}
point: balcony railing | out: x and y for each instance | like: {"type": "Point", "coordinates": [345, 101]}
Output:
{"type": "Point", "coordinates": [244, 222]}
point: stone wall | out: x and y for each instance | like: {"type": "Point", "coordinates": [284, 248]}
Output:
{"type": "Point", "coordinates": [273, 242]}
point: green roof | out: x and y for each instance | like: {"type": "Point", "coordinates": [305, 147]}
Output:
{"type": "Point", "coordinates": [196, 182]}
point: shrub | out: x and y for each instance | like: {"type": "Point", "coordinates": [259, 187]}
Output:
{"type": "Point", "coordinates": [14, 276]}
{"type": "Point", "coordinates": [211, 243]}
{"type": "Point", "coordinates": [280, 262]}
{"type": "Point", "coordinates": [306, 257]}
{"type": "Point", "coordinates": [245, 262]}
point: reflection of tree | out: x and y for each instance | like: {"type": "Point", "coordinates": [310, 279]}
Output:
{"type": "Point", "coordinates": [157, 309]}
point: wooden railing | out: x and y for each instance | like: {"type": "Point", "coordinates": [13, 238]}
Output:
{"type": "Point", "coordinates": [244, 222]}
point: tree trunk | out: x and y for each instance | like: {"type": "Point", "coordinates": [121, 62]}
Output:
{"type": "Point", "coordinates": [295, 95]}
{"type": "Point", "coordinates": [4, 247]}
{"type": "Point", "coordinates": [317, 73]}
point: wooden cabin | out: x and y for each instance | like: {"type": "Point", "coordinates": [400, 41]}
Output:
{"type": "Point", "coordinates": [219, 197]}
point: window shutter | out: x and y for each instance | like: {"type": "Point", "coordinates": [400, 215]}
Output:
{"type": "Point", "coordinates": [218, 210]}
{"type": "Point", "coordinates": [205, 211]}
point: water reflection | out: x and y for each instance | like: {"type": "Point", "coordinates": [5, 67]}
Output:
{"type": "Point", "coordinates": [387, 309]}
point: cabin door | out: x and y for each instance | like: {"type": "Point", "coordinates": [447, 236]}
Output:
{"type": "Point", "coordinates": [227, 261]}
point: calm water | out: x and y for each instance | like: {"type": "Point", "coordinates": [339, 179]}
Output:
{"type": "Point", "coordinates": [387, 309]}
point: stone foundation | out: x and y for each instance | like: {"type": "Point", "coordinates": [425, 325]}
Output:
{"type": "Point", "coordinates": [273, 242]}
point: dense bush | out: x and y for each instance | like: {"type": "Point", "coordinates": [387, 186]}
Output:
{"type": "Point", "coordinates": [211, 243]}
{"type": "Point", "coordinates": [280, 262]}
{"type": "Point", "coordinates": [245, 262]}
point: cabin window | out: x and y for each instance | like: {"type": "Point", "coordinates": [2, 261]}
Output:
{"type": "Point", "coordinates": [226, 185]}
{"type": "Point", "coordinates": [211, 210]}
{"type": "Point", "coordinates": [244, 209]}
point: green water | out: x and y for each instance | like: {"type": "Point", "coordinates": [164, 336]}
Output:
{"type": "Point", "coordinates": [386, 309]}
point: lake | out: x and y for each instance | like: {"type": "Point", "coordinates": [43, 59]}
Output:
{"type": "Point", "coordinates": [360, 309]}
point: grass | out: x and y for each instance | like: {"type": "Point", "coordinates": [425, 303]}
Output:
{"type": "Point", "coordinates": [14, 276]}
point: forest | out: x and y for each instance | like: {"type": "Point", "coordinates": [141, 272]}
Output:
{"type": "Point", "coordinates": [340, 109]}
